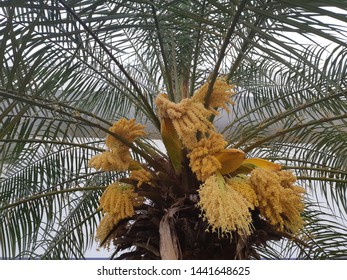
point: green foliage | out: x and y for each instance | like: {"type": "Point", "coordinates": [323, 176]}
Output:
{"type": "Point", "coordinates": [71, 68]}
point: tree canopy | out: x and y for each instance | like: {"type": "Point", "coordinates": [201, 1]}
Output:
{"type": "Point", "coordinates": [70, 69]}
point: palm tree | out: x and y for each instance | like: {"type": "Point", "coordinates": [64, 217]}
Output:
{"type": "Point", "coordinates": [71, 69]}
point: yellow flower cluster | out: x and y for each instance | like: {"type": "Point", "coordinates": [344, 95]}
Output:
{"type": "Point", "coordinates": [117, 202]}
{"type": "Point", "coordinates": [280, 202]}
{"type": "Point", "coordinates": [220, 96]}
{"type": "Point", "coordinates": [117, 199]}
{"type": "Point", "coordinates": [225, 209]}
{"type": "Point", "coordinates": [110, 161]}
{"type": "Point", "coordinates": [197, 134]}
{"type": "Point", "coordinates": [188, 118]}
{"type": "Point", "coordinates": [105, 226]}
{"type": "Point", "coordinates": [202, 156]}
{"type": "Point", "coordinates": [142, 176]}
{"type": "Point", "coordinates": [243, 186]}
{"type": "Point", "coordinates": [226, 204]}
{"type": "Point", "coordinates": [129, 130]}
{"type": "Point", "coordinates": [118, 157]}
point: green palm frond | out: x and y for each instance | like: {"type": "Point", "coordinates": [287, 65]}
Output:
{"type": "Point", "coordinates": [55, 183]}
{"type": "Point", "coordinates": [71, 68]}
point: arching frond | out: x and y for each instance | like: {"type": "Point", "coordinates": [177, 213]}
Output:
{"type": "Point", "coordinates": [69, 69]}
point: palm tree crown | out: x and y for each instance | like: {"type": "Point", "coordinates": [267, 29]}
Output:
{"type": "Point", "coordinates": [248, 97]}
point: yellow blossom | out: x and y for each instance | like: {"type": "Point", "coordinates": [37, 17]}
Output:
{"type": "Point", "coordinates": [117, 203]}
{"type": "Point", "coordinates": [203, 160]}
{"type": "Point", "coordinates": [225, 209]}
{"type": "Point", "coordinates": [105, 226]}
{"type": "Point", "coordinates": [118, 157]}
{"type": "Point", "coordinates": [243, 186]}
{"type": "Point", "coordinates": [110, 161]}
{"type": "Point", "coordinates": [220, 96]}
{"type": "Point", "coordinates": [129, 130]}
{"type": "Point", "coordinates": [142, 176]}
{"type": "Point", "coordinates": [118, 199]}
{"type": "Point", "coordinates": [189, 118]}
{"type": "Point", "coordinates": [280, 202]}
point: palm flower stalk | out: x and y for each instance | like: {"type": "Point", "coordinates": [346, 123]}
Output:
{"type": "Point", "coordinates": [207, 193]}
